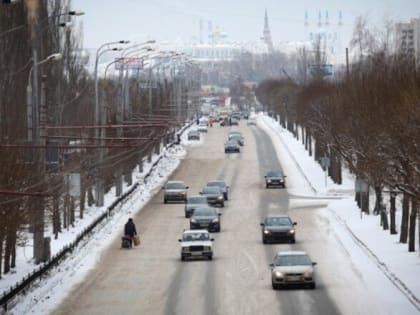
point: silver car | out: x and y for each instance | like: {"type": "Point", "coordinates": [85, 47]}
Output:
{"type": "Point", "coordinates": [175, 191]}
{"type": "Point", "coordinates": [292, 268]}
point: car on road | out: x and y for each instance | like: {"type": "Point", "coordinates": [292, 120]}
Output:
{"type": "Point", "coordinates": [222, 185]}
{"type": "Point", "coordinates": [206, 218]}
{"type": "Point", "coordinates": [237, 137]}
{"type": "Point", "coordinates": [251, 122]}
{"type": "Point", "coordinates": [196, 244]}
{"type": "Point", "coordinates": [175, 191]}
{"type": "Point", "coordinates": [193, 135]}
{"type": "Point", "coordinates": [194, 202]}
{"type": "Point", "coordinates": [214, 195]}
{"type": "Point", "coordinates": [234, 122]}
{"type": "Point", "coordinates": [202, 126]}
{"type": "Point", "coordinates": [292, 268]}
{"type": "Point", "coordinates": [275, 178]}
{"type": "Point", "coordinates": [232, 146]}
{"type": "Point", "coordinates": [279, 227]}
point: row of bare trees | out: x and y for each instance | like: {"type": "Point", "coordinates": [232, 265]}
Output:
{"type": "Point", "coordinates": [35, 192]}
{"type": "Point", "coordinates": [368, 119]}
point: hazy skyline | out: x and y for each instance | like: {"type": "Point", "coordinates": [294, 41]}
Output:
{"type": "Point", "coordinates": [166, 20]}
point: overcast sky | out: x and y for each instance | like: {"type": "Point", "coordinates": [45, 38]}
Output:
{"type": "Point", "coordinates": [171, 20]}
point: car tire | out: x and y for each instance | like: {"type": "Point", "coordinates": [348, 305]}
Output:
{"type": "Point", "coordinates": [312, 286]}
{"type": "Point", "coordinates": [182, 258]}
{"type": "Point", "coordinates": [264, 240]}
{"type": "Point", "coordinates": [222, 204]}
{"type": "Point", "coordinates": [210, 257]}
{"type": "Point", "coordinates": [165, 201]}
{"type": "Point", "coordinates": [293, 240]}
{"type": "Point", "coordinates": [266, 185]}
{"type": "Point", "coordinates": [275, 286]}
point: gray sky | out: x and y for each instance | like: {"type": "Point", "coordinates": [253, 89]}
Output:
{"type": "Point", "coordinates": [109, 20]}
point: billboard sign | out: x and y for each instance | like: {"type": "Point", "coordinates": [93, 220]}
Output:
{"type": "Point", "coordinates": [131, 63]}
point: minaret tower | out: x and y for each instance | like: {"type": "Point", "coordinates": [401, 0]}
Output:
{"type": "Point", "coordinates": [267, 34]}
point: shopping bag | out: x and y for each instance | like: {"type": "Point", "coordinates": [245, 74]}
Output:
{"type": "Point", "coordinates": [136, 240]}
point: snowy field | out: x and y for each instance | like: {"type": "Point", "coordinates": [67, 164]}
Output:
{"type": "Point", "coordinates": [370, 248]}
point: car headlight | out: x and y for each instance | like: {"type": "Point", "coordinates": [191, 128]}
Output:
{"type": "Point", "coordinates": [268, 180]}
{"type": "Point", "coordinates": [183, 193]}
{"type": "Point", "coordinates": [215, 220]}
{"type": "Point", "coordinates": [278, 274]}
{"type": "Point", "coordinates": [220, 197]}
{"type": "Point", "coordinates": [184, 249]}
{"type": "Point", "coordinates": [292, 231]}
{"type": "Point", "coordinates": [308, 274]}
{"type": "Point", "coordinates": [193, 220]}
{"type": "Point", "coordinates": [267, 232]}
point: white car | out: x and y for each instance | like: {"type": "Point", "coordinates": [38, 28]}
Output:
{"type": "Point", "coordinates": [251, 122]}
{"type": "Point", "coordinates": [292, 268]}
{"type": "Point", "coordinates": [202, 126]}
{"type": "Point", "coordinates": [196, 244]}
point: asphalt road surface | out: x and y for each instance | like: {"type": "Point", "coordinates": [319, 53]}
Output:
{"type": "Point", "coordinates": [151, 279]}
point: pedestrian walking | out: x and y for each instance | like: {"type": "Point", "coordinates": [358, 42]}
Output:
{"type": "Point", "coordinates": [130, 230]}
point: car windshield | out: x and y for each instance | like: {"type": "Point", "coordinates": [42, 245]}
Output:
{"type": "Point", "coordinates": [235, 136]}
{"type": "Point", "coordinates": [197, 200]}
{"type": "Point", "coordinates": [211, 190]}
{"type": "Point", "coordinates": [190, 237]}
{"type": "Point", "coordinates": [277, 221]}
{"type": "Point", "coordinates": [204, 212]}
{"type": "Point", "coordinates": [292, 260]}
{"type": "Point", "coordinates": [274, 174]}
{"type": "Point", "coordinates": [175, 186]}
{"type": "Point", "coordinates": [216, 184]}
{"type": "Point", "coordinates": [232, 143]}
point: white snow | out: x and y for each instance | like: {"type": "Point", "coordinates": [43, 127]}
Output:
{"type": "Point", "coordinates": [373, 251]}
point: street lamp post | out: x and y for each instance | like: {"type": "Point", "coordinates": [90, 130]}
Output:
{"type": "Point", "coordinates": [99, 119]}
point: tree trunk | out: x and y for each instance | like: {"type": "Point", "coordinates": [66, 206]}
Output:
{"type": "Point", "coordinates": [56, 215]}
{"type": "Point", "coordinates": [378, 201]}
{"type": "Point", "coordinates": [82, 198]}
{"type": "Point", "coordinates": [72, 211]}
{"type": "Point", "coordinates": [404, 219]}
{"type": "Point", "coordinates": [65, 211]}
{"type": "Point", "coordinates": [1, 249]}
{"type": "Point", "coordinates": [309, 143]}
{"type": "Point", "coordinates": [303, 134]}
{"type": "Point", "coordinates": [7, 252]}
{"type": "Point", "coordinates": [91, 200]}
{"type": "Point", "coordinates": [412, 227]}
{"type": "Point", "coordinates": [392, 214]}
{"type": "Point", "coordinates": [13, 248]}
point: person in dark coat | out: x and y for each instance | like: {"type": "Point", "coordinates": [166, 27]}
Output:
{"type": "Point", "coordinates": [130, 230]}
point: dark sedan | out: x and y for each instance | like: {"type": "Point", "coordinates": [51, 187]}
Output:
{"type": "Point", "coordinates": [206, 218]}
{"type": "Point", "coordinates": [194, 202]}
{"type": "Point", "coordinates": [232, 146]}
{"type": "Point", "coordinates": [278, 228]}
{"type": "Point", "coordinates": [275, 178]}
{"type": "Point", "coordinates": [214, 195]}
{"type": "Point", "coordinates": [221, 184]}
